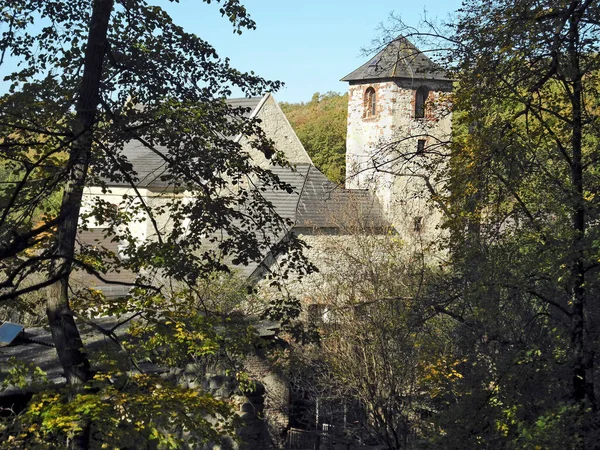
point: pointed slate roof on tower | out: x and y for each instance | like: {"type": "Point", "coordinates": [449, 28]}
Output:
{"type": "Point", "coordinates": [400, 59]}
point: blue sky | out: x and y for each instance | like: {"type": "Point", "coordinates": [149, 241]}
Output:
{"type": "Point", "coordinates": [308, 44]}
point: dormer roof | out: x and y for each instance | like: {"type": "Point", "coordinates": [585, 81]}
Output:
{"type": "Point", "coordinates": [400, 59]}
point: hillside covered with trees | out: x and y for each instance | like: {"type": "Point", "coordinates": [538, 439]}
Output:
{"type": "Point", "coordinates": [321, 127]}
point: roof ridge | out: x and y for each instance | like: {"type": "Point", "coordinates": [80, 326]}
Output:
{"type": "Point", "coordinates": [296, 210]}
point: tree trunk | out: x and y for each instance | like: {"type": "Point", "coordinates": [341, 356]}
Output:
{"type": "Point", "coordinates": [65, 334]}
{"type": "Point", "coordinates": [583, 384]}
{"type": "Point", "coordinates": [64, 330]}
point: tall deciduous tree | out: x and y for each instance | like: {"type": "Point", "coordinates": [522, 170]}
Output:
{"type": "Point", "coordinates": [523, 189]}
{"type": "Point", "coordinates": [94, 75]}
{"type": "Point", "coordinates": [521, 207]}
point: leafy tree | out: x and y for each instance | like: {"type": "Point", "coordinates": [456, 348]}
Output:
{"type": "Point", "coordinates": [386, 362]}
{"type": "Point", "coordinates": [525, 176]}
{"type": "Point", "coordinates": [321, 127]}
{"type": "Point", "coordinates": [94, 75]}
{"type": "Point", "coordinates": [521, 208]}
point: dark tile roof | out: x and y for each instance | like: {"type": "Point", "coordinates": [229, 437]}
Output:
{"type": "Point", "coordinates": [317, 204]}
{"type": "Point", "coordinates": [320, 203]}
{"type": "Point", "coordinates": [324, 204]}
{"type": "Point", "coordinates": [400, 59]}
{"type": "Point", "coordinates": [150, 166]}
{"type": "Point", "coordinates": [251, 103]}
{"type": "Point", "coordinates": [37, 349]}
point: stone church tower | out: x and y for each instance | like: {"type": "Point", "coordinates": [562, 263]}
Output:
{"type": "Point", "coordinates": [398, 127]}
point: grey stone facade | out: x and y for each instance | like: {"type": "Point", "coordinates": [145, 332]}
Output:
{"type": "Point", "coordinates": [392, 151]}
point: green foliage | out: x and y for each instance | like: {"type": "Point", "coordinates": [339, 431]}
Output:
{"type": "Point", "coordinates": [522, 193]}
{"type": "Point", "coordinates": [321, 126]}
{"type": "Point", "coordinates": [139, 411]}
{"type": "Point", "coordinates": [521, 212]}
{"type": "Point", "coordinates": [94, 77]}
{"type": "Point", "coordinates": [181, 83]}
{"type": "Point", "coordinates": [22, 375]}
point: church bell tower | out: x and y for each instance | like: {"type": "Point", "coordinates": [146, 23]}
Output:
{"type": "Point", "coordinates": [399, 124]}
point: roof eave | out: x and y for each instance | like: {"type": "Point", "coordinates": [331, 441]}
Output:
{"type": "Point", "coordinates": [254, 113]}
{"type": "Point", "coordinates": [357, 80]}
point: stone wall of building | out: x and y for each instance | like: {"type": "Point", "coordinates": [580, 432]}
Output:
{"type": "Point", "coordinates": [351, 267]}
{"type": "Point", "coordinates": [263, 408]}
{"type": "Point", "coordinates": [278, 129]}
{"type": "Point", "coordinates": [275, 388]}
{"type": "Point", "coordinates": [383, 151]}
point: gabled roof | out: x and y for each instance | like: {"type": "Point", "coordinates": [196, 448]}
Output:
{"type": "Point", "coordinates": [315, 203]}
{"type": "Point", "coordinates": [318, 204]}
{"type": "Point", "coordinates": [400, 59]}
{"type": "Point", "coordinates": [36, 348]}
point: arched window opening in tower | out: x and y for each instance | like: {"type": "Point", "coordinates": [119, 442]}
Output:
{"type": "Point", "coordinates": [370, 102]}
{"type": "Point", "coordinates": [417, 224]}
{"type": "Point", "coordinates": [420, 102]}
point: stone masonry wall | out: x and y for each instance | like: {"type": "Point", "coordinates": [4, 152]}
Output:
{"type": "Point", "coordinates": [277, 128]}
{"type": "Point", "coordinates": [382, 151]}
{"type": "Point", "coordinates": [263, 410]}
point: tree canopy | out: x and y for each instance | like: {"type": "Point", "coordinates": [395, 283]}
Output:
{"type": "Point", "coordinates": [93, 76]}
{"type": "Point", "coordinates": [518, 274]}
{"type": "Point", "coordinates": [521, 214]}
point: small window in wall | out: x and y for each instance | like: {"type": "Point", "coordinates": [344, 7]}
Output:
{"type": "Point", "coordinates": [421, 146]}
{"type": "Point", "coordinates": [418, 224]}
{"type": "Point", "coordinates": [370, 102]}
{"type": "Point", "coordinates": [420, 102]}
{"type": "Point", "coordinates": [316, 312]}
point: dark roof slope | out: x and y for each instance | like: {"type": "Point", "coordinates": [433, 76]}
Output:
{"type": "Point", "coordinates": [150, 166]}
{"type": "Point", "coordinates": [38, 350]}
{"type": "Point", "coordinates": [251, 103]}
{"type": "Point", "coordinates": [324, 204]}
{"type": "Point", "coordinates": [400, 59]}
{"type": "Point", "coordinates": [320, 203]}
